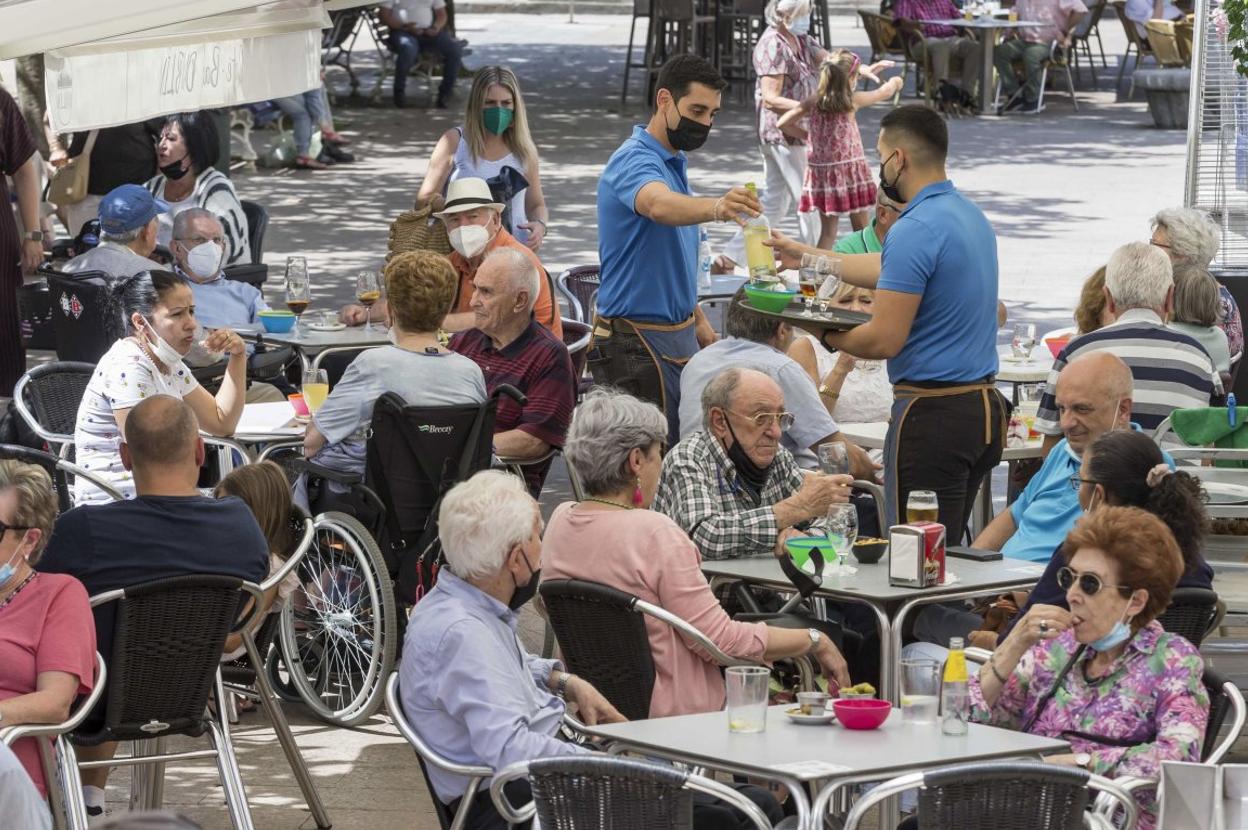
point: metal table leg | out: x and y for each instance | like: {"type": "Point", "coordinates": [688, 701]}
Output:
{"type": "Point", "coordinates": [987, 89]}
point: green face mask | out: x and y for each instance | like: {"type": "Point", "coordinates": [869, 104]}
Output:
{"type": "Point", "coordinates": [497, 119]}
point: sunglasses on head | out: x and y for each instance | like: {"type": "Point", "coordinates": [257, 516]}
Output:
{"type": "Point", "coordinates": [1089, 583]}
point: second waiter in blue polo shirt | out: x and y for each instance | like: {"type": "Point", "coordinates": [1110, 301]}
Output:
{"type": "Point", "coordinates": [647, 322]}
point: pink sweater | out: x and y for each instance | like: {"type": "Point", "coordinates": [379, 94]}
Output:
{"type": "Point", "coordinates": [648, 555]}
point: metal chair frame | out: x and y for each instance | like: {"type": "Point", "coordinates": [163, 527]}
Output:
{"type": "Point", "coordinates": [697, 783]}
{"type": "Point", "coordinates": [1187, 453]}
{"type": "Point", "coordinates": [1055, 60]}
{"type": "Point", "coordinates": [60, 441]}
{"type": "Point", "coordinates": [573, 285]}
{"type": "Point", "coordinates": [56, 753]}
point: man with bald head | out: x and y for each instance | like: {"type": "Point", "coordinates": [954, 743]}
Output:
{"type": "Point", "coordinates": [511, 347]}
{"type": "Point", "coordinates": [731, 485]}
{"type": "Point", "coordinates": [168, 529]}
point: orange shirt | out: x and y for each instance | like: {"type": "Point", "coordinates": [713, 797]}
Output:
{"type": "Point", "coordinates": [546, 311]}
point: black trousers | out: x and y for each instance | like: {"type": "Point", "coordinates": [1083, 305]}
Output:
{"type": "Point", "coordinates": [708, 813]}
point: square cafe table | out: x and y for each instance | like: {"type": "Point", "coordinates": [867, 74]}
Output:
{"type": "Point", "coordinates": [796, 755]}
{"type": "Point", "coordinates": [869, 585]}
{"type": "Point", "coordinates": [987, 30]}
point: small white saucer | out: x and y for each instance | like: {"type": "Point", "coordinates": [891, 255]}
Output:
{"type": "Point", "coordinates": [327, 326]}
{"type": "Point", "coordinates": [795, 715]}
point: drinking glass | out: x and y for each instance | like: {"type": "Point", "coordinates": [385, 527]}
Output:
{"type": "Point", "coordinates": [368, 291]}
{"type": "Point", "coordinates": [829, 271]}
{"type": "Point", "coordinates": [1024, 341]}
{"type": "Point", "coordinates": [315, 389]}
{"type": "Point", "coordinates": [808, 281]}
{"type": "Point", "coordinates": [921, 506]}
{"type": "Point", "coordinates": [747, 698]}
{"type": "Point", "coordinates": [842, 528]}
{"type": "Point", "coordinates": [833, 458]}
{"type": "Point", "coordinates": [298, 288]}
{"type": "Point", "coordinates": [920, 690]}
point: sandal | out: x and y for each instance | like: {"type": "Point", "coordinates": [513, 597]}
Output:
{"type": "Point", "coordinates": [309, 163]}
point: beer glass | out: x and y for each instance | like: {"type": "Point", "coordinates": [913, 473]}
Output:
{"type": "Point", "coordinates": [921, 506]}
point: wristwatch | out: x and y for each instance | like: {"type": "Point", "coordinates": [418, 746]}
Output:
{"type": "Point", "coordinates": [1083, 759]}
{"type": "Point", "coordinates": [33, 236]}
{"type": "Point", "coordinates": [815, 637]}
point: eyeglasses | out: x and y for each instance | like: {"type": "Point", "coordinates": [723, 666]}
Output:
{"type": "Point", "coordinates": [1090, 584]}
{"type": "Point", "coordinates": [1076, 482]}
{"type": "Point", "coordinates": [765, 419]}
{"type": "Point", "coordinates": [889, 207]}
{"type": "Point", "coordinates": [4, 528]}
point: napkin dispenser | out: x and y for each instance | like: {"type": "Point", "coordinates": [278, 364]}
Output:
{"type": "Point", "coordinates": [916, 554]}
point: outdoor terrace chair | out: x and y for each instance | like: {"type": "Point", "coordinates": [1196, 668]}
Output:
{"type": "Point", "coordinates": [996, 795]}
{"type": "Point", "coordinates": [1081, 39]}
{"type": "Point", "coordinates": [1058, 59]}
{"type": "Point", "coordinates": [1134, 41]}
{"type": "Point", "coordinates": [1165, 43]}
{"type": "Point", "coordinates": [579, 287]}
{"type": "Point", "coordinates": [47, 399]}
{"type": "Point", "coordinates": [602, 791]}
{"type": "Point", "coordinates": [1193, 613]}
{"type": "Point", "coordinates": [887, 42]}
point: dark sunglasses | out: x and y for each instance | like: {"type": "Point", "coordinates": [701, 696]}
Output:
{"type": "Point", "coordinates": [1090, 584]}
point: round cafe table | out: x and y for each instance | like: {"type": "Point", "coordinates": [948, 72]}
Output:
{"type": "Point", "coordinates": [987, 30]}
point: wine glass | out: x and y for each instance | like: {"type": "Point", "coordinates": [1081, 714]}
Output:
{"type": "Point", "coordinates": [842, 528]}
{"type": "Point", "coordinates": [1024, 340]}
{"type": "Point", "coordinates": [298, 288]}
{"type": "Point", "coordinates": [833, 458]}
{"type": "Point", "coordinates": [368, 291]}
{"type": "Point", "coordinates": [829, 271]}
{"type": "Point", "coordinates": [315, 388]}
{"type": "Point", "coordinates": [808, 281]}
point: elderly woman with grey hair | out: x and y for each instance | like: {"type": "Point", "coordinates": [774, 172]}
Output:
{"type": "Point", "coordinates": [1190, 236]}
{"type": "Point", "coordinates": [615, 445]}
{"type": "Point", "coordinates": [1197, 312]}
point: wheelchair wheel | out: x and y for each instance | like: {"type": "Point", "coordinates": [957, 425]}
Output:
{"type": "Point", "coordinates": [338, 633]}
{"type": "Point", "coordinates": [279, 676]}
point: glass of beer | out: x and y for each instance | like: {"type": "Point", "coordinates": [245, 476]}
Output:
{"type": "Point", "coordinates": [298, 288]}
{"type": "Point", "coordinates": [368, 291]}
{"type": "Point", "coordinates": [315, 389]}
{"type": "Point", "coordinates": [808, 281]}
{"type": "Point", "coordinates": [921, 506]}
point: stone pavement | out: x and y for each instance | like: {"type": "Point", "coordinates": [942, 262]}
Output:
{"type": "Point", "coordinates": [1062, 189]}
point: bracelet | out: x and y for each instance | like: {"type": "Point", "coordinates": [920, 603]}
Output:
{"type": "Point", "coordinates": [715, 211]}
{"type": "Point", "coordinates": [545, 227]}
{"type": "Point", "coordinates": [992, 664]}
{"type": "Point", "coordinates": [561, 688]}
{"type": "Point", "coordinates": [828, 393]}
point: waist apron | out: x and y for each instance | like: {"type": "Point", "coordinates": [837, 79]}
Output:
{"type": "Point", "coordinates": [905, 397]}
{"type": "Point", "coordinates": [645, 360]}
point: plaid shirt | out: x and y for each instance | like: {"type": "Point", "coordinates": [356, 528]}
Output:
{"type": "Point", "coordinates": [700, 491]}
{"type": "Point", "coordinates": [917, 10]}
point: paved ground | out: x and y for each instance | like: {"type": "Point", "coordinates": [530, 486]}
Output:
{"type": "Point", "coordinates": [1062, 189]}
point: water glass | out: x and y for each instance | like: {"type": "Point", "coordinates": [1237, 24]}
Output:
{"type": "Point", "coordinates": [920, 690]}
{"type": "Point", "coordinates": [833, 458]}
{"type": "Point", "coordinates": [829, 271]}
{"type": "Point", "coordinates": [1024, 341]}
{"type": "Point", "coordinates": [747, 688]}
{"type": "Point", "coordinates": [842, 529]}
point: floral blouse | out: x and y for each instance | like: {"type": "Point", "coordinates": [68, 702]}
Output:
{"type": "Point", "coordinates": [1151, 707]}
{"type": "Point", "coordinates": [774, 55]}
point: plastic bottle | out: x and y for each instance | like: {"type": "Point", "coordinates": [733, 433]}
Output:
{"type": "Point", "coordinates": [704, 259]}
{"type": "Point", "coordinates": [760, 258]}
{"type": "Point", "coordinates": [953, 694]}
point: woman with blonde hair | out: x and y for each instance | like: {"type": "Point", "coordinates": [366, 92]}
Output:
{"type": "Point", "coordinates": [1090, 313]}
{"type": "Point", "coordinates": [494, 139]}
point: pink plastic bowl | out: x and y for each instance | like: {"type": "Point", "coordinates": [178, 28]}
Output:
{"type": "Point", "coordinates": [864, 713]}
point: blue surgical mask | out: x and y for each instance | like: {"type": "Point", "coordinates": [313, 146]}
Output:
{"type": "Point", "coordinates": [7, 570]}
{"type": "Point", "coordinates": [1119, 634]}
{"type": "Point", "coordinates": [800, 26]}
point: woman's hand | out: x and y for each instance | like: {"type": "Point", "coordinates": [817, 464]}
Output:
{"type": "Point", "coordinates": [225, 340]}
{"type": "Point", "coordinates": [58, 157]}
{"type": "Point", "coordinates": [1066, 760]}
{"type": "Point", "coordinates": [352, 314]}
{"type": "Point", "coordinates": [32, 255]}
{"type": "Point", "coordinates": [789, 250]}
{"type": "Point", "coordinates": [1042, 622]}
{"type": "Point", "coordinates": [537, 232]}
{"type": "Point", "coordinates": [832, 662]}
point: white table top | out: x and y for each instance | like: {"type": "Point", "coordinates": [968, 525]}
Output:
{"type": "Point", "coordinates": [1035, 370]}
{"type": "Point", "coordinates": [723, 287]}
{"type": "Point", "coordinates": [809, 753]}
{"type": "Point", "coordinates": [262, 422]}
{"type": "Point", "coordinates": [870, 436]}
{"type": "Point", "coordinates": [310, 342]}
{"type": "Point", "coordinates": [870, 582]}
{"type": "Point", "coordinates": [982, 23]}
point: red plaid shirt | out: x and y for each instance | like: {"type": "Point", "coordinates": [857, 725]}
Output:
{"type": "Point", "coordinates": [928, 10]}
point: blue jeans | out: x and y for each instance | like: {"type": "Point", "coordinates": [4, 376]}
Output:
{"type": "Point", "coordinates": [407, 48]}
{"type": "Point", "coordinates": [307, 109]}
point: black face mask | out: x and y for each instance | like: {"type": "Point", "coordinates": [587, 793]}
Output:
{"type": "Point", "coordinates": [891, 190]}
{"type": "Point", "coordinates": [525, 592]}
{"type": "Point", "coordinates": [174, 169]}
{"type": "Point", "coordinates": [753, 475]}
{"type": "Point", "coordinates": [688, 135]}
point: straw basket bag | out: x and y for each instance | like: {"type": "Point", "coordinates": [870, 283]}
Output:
{"type": "Point", "coordinates": [417, 230]}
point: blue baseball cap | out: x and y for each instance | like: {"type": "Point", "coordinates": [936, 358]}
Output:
{"type": "Point", "coordinates": [128, 207]}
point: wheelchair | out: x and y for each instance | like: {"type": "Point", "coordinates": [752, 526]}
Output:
{"type": "Point", "coordinates": [374, 553]}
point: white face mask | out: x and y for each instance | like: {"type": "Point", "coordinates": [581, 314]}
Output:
{"type": "Point", "coordinates": [204, 260]}
{"type": "Point", "coordinates": [469, 240]}
{"type": "Point", "coordinates": [161, 350]}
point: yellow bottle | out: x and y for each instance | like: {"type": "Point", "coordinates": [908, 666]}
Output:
{"type": "Point", "coordinates": [760, 258]}
{"type": "Point", "coordinates": [954, 698]}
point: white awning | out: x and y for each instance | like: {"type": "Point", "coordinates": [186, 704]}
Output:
{"type": "Point", "coordinates": [103, 72]}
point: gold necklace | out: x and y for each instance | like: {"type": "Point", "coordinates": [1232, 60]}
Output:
{"type": "Point", "coordinates": [608, 501]}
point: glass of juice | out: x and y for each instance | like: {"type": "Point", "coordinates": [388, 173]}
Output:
{"type": "Point", "coordinates": [315, 389]}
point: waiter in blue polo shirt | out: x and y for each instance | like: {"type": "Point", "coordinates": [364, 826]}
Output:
{"type": "Point", "coordinates": [647, 322]}
{"type": "Point", "coordinates": [935, 319]}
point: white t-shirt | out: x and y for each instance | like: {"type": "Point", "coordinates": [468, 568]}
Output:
{"type": "Point", "coordinates": [164, 221]}
{"type": "Point", "coordinates": [418, 12]}
{"type": "Point", "coordinates": [124, 376]}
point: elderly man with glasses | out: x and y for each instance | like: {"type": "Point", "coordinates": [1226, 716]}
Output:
{"type": "Point", "coordinates": [732, 486]}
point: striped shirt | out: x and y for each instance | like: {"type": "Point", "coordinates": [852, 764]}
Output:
{"type": "Point", "coordinates": [1171, 370]}
{"type": "Point", "coordinates": [214, 192]}
{"type": "Point", "coordinates": [537, 363]}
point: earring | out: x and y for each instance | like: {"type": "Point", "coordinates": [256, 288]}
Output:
{"type": "Point", "coordinates": [637, 497]}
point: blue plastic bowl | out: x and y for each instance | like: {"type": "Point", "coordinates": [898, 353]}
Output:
{"type": "Point", "coordinates": [277, 322]}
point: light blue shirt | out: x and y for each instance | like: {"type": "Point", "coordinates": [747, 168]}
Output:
{"type": "Point", "coordinates": [943, 248]}
{"type": "Point", "coordinates": [1048, 507]}
{"type": "Point", "coordinates": [811, 421]}
{"type": "Point", "coordinates": [226, 303]}
{"type": "Point", "coordinates": [648, 269]}
{"type": "Point", "coordinates": [469, 688]}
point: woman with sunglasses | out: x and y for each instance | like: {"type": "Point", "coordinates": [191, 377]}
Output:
{"type": "Point", "coordinates": [1104, 675]}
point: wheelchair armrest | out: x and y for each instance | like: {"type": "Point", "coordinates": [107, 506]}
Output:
{"type": "Point", "coordinates": [303, 465]}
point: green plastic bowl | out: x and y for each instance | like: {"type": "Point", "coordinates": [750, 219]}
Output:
{"type": "Point", "coordinates": [767, 300]}
{"type": "Point", "coordinates": [800, 547]}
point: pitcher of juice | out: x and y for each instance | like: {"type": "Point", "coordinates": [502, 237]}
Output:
{"type": "Point", "coordinates": [759, 258]}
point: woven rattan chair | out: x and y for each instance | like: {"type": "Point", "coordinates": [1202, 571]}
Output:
{"type": "Point", "coordinates": [1193, 613]}
{"type": "Point", "coordinates": [1011, 795]}
{"type": "Point", "coordinates": [1134, 41]}
{"type": "Point", "coordinates": [47, 399]}
{"type": "Point", "coordinates": [1081, 38]}
{"type": "Point", "coordinates": [167, 640]}
{"type": "Point", "coordinates": [579, 286]}
{"type": "Point", "coordinates": [600, 791]}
